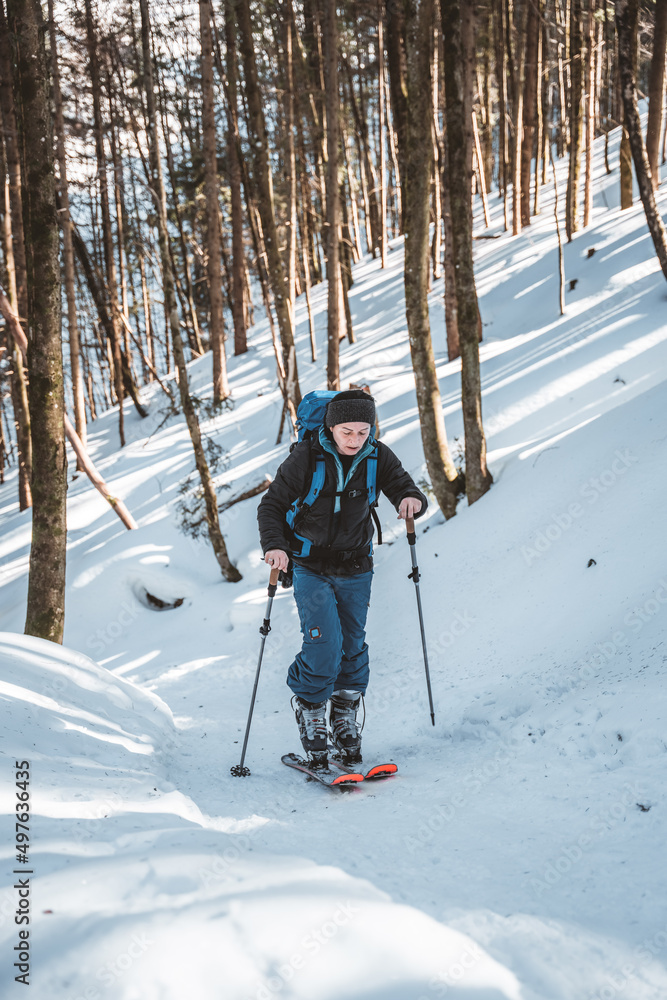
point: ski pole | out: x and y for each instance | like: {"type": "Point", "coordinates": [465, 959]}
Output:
{"type": "Point", "coordinates": [239, 771]}
{"type": "Point", "coordinates": [412, 538]}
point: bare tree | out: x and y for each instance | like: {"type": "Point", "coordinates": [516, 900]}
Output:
{"type": "Point", "coordinates": [576, 120]}
{"type": "Point", "coordinates": [229, 571]}
{"type": "Point", "coordinates": [330, 46]}
{"type": "Point", "coordinates": [68, 249]}
{"type": "Point", "coordinates": [459, 168]}
{"type": "Point", "coordinates": [263, 185]}
{"type": "Point", "coordinates": [656, 90]}
{"type": "Point", "coordinates": [417, 154]}
{"type": "Point", "coordinates": [15, 260]}
{"type": "Point", "coordinates": [530, 104]}
{"type": "Point", "coordinates": [213, 234]}
{"type": "Point", "coordinates": [237, 290]}
{"type": "Point", "coordinates": [46, 583]}
{"type": "Point", "coordinates": [626, 26]}
{"type": "Point", "coordinates": [109, 257]}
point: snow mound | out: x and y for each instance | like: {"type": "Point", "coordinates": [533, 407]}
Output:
{"type": "Point", "coordinates": [165, 924]}
{"type": "Point", "coordinates": [62, 701]}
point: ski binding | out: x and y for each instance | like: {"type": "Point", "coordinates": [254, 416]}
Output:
{"type": "Point", "coordinates": [337, 778]}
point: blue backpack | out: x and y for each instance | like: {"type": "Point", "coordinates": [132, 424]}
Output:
{"type": "Point", "coordinates": [309, 419]}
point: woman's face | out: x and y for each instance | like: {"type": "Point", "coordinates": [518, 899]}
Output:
{"type": "Point", "coordinates": [350, 437]}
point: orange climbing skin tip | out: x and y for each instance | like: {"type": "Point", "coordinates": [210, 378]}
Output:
{"type": "Point", "coordinates": [346, 779]}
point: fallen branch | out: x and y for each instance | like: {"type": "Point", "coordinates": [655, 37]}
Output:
{"type": "Point", "coordinates": [264, 485]}
{"type": "Point", "coordinates": [73, 438]}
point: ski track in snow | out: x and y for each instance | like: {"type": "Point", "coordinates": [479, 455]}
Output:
{"type": "Point", "coordinates": [519, 852]}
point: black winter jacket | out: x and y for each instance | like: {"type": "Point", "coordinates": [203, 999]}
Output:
{"type": "Point", "coordinates": [346, 536]}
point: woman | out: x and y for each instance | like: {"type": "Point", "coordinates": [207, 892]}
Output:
{"type": "Point", "coordinates": [332, 582]}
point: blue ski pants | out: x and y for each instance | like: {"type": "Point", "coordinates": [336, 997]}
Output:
{"type": "Point", "coordinates": [334, 654]}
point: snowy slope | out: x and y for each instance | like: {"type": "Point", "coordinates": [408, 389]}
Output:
{"type": "Point", "coordinates": [519, 853]}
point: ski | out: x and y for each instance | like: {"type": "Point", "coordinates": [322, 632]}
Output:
{"type": "Point", "coordinates": [338, 778]}
{"type": "Point", "coordinates": [373, 773]}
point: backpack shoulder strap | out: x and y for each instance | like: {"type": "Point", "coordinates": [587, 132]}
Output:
{"type": "Point", "coordinates": [309, 498]}
{"type": "Point", "coordinates": [371, 477]}
{"type": "Point", "coordinates": [371, 487]}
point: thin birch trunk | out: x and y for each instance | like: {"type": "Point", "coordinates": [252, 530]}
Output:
{"type": "Point", "coordinates": [238, 287]}
{"type": "Point", "coordinates": [68, 250]}
{"type": "Point", "coordinates": [107, 236]}
{"type": "Point", "coordinates": [213, 236]}
{"type": "Point", "coordinates": [264, 189]}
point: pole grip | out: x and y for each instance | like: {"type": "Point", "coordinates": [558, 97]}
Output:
{"type": "Point", "coordinates": [273, 581]}
{"type": "Point", "coordinates": [410, 527]}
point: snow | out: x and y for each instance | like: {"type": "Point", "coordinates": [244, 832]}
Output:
{"type": "Point", "coordinates": [519, 852]}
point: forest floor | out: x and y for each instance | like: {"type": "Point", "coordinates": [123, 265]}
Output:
{"type": "Point", "coordinates": [519, 853]}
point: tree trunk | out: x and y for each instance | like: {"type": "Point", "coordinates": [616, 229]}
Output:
{"type": "Point", "coordinates": [478, 478]}
{"type": "Point", "coordinates": [313, 62]}
{"type": "Point", "coordinates": [290, 224]}
{"type": "Point", "coordinates": [213, 234]}
{"type": "Point", "coordinates": [397, 84]}
{"type": "Point", "coordinates": [366, 166]}
{"type": "Point", "coordinates": [501, 80]}
{"type": "Point", "coordinates": [383, 145]}
{"type": "Point", "coordinates": [530, 106]}
{"type": "Point", "coordinates": [46, 584]}
{"type": "Point", "coordinates": [656, 90]}
{"type": "Point", "coordinates": [451, 306]}
{"type": "Point", "coordinates": [416, 157]}
{"type": "Point", "coordinates": [14, 236]}
{"type": "Point", "coordinates": [626, 26]}
{"type": "Point", "coordinates": [185, 295]}
{"type": "Point", "coordinates": [148, 322]}
{"type": "Point", "coordinates": [563, 131]}
{"type": "Point", "coordinates": [264, 190]}
{"type": "Point", "coordinates": [68, 250]}
{"type": "Point", "coordinates": [576, 118]}
{"type": "Point", "coordinates": [436, 172]}
{"type": "Point", "coordinates": [237, 290]}
{"type": "Point", "coordinates": [330, 46]}
{"type": "Point", "coordinates": [590, 111]}
{"type": "Point", "coordinates": [486, 136]}
{"type": "Point", "coordinates": [516, 61]}
{"type": "Point", "coordinates": [110, 264]}
{"type": "Point", "coordinates": [540, 136]}
{"type": "Point", "coordinates": [352, 184]}
{"type": "Point", "coordinates": [345, 245]}
{"type": "Point", "coordinates": [625, 158]}
{"type": "Point", "coordinates": [561, 264]}
{"type": "Point", "coordinates": [228, 570]}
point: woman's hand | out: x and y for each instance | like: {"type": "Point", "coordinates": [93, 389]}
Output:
{"type": "Point", "coordinates": [409, 507]}
{"type": "Point", "coordinates": [277, 559]}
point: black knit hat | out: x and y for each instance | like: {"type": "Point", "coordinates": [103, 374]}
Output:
{"type": "Point", "coordinates": [351, 406]}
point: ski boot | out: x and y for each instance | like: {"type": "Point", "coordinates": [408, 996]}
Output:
{"type": "Point", "coordinates": [345, 730]}
{"type": "Point", "coordinates": [312, 721]}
